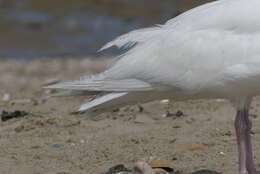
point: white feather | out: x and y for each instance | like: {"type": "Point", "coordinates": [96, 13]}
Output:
{"type": "Point", "coordinates": [100, 100]}
{"type": "Point", "coordinates": [101, 83]}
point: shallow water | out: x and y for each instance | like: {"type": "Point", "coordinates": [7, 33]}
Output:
{"type": "Point", "coordinates": [34, 28]}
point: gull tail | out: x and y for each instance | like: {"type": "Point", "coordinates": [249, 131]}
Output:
{"type": "Point", "coordinates": [69, 93]}
{"type": "Point", "coordinates": [100, 83]}
{"type": "Point", "coordinates": [108, 93]}
{"type": "Point", "coordinates": [113, 100]}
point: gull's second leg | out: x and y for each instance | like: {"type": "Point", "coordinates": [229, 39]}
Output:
{"type": "Point", "coordinates": [243, 127]}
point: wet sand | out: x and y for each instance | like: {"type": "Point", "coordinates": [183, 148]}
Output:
{"type": "Point", "coordinates": [51, 140]}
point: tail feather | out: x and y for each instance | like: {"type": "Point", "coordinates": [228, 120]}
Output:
{"type": "Point", "coordinates": [69, 93]}
{"type": "Point", "coordinates": [95, 83]}
{"type": "Point", "coordinates": [110, 101]}
{"type": "Point", "coordinates": [102, 102]}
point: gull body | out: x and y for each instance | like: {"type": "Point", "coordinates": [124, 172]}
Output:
{"type": "Point", "coordinates": [212, 51]}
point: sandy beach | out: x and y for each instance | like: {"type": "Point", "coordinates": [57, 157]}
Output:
{"type": "Point", "coordinates": [52, 140]}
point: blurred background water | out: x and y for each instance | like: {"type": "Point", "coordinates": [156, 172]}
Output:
{"type": "Point", "coordinates": [61, 28]}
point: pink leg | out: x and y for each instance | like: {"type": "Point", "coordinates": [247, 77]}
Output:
{"type": "Point", "coordinates": [243, 127]}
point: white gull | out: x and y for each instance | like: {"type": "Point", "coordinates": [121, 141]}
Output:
{"type": "Point", "coordinates": [212, 51]}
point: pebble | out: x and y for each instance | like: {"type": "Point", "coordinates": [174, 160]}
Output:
{"type": "Point", "coordinates": [56, 145]}
{"type": "Point", "coordinates": [118, 169]}
{"type": "Point", "coordinates": [177, 114]}
{"type": "Point", "coordinates": [205, 172]}
{"type": "Point", "coordinates": [6, 97]}
{"type": "Point", "coordinates": [145, 168]}
{"type": "Point", "coordinates": [167, 114]}
{"type": "Point", "coordinates": [221, 153]}
{"type": "Point", "coordinates": [166, 101]}
{"type": "Point", "coordinates": [10, 115]}
{"type": "Point", "coordinates": [142, 168]}
{"type": "Point", "coordinates": [220, 100]}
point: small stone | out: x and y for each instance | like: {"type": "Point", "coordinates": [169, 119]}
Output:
{"type": "Point", "coordinates": [160, 171]}
{"type": "Point", "coordinates": [252, 132]}
{"type": "Point", "coordinates": [168, 114]}
{"type": "Point", "coordinates": [205, 172]}
{"type": "Point", "coordinates": [140, 108]}
{"type": "Point", "coordinates": [166, 101]}
{"type": "Point", "coordinates": [120, 168]}
{"type": "Point", "coordinates": [220, 100]}
{"type": "Point", "coordinates": [6, 97]}
{"type": "Point", "coordinates": [221, 153]}
{"type": "Point", "coordinates": [19, 129]}
{"type": "Point", "coordinates": [56, 145]}
{"type": "Point", "coordinates": [179, 113]}
{"type": "Point", "coordinates": [190, 120]}
{"type": "Point", "coordinates": [9, 115]}
{"type": "Point", "coordinates": [253, 115]}
{"type": "Point", "coordinates": [143, 168]}
{"type": "Point", "coordinates": [173, 140]}
{"type": "Point", "coordinates": [174, 159]}
{"type": "Point", "coordinates": [51, 121]}
{"type": "Point", "coordinates": [227, 133]}
{"type": "Point", "coordinates": [36, 147]}
{"type": "Point", "coordinates": [116, 110]}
